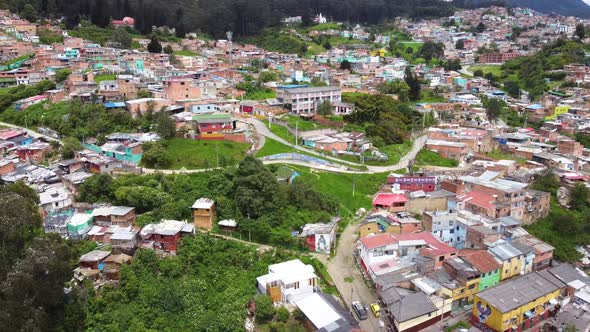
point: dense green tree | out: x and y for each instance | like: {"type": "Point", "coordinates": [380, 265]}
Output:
{"type": "Point", "coordinates": [579, 196]}
{"type": "Point", "coordinates": [97, 188]}
{"type": "Point", "coordinates": [32, 296]}
{"type": "Point", "coordinates": [29, 13]}
{"type": "Point", "coordinates": [478, 73]}
{"type": "Point", "coordinates": [62, 75]}
{"type": "Point", "coordinates": [168, 49]}
{"type": "Point", "coordinates": [165, 126]}
{"type": "Point", "coordinates": [431, 50]}
{"type": "Point", "coordinates": [256, 190]}
{"type": "Point", "coordinates": [154, 45]}
{"type": "Point", "coordinates": [265, 311]}
{"type": "Point", "coordinates": [480, 27]}
{"type": "Point", "coordinates": [345, 65]}
{"type": "Point", "coordinates": [19, 223]}
{"type": "Point", "coordinates": [460, 44]}
{"type": "Point", "coordinates": [512, 88]}
{"type": "Point", "coordinates": [546, 181]}
{"type": "Point", "coordinates": [414, 84]}
{"type": "Point", "coordinates": [325, 108]}
{"type": "Point", "coordinates": [121, 38]}
{"type": "Point", "coordinates": [70, 146]}
{"type": "Point", "coordinates": [580, 31]}
{"type": "Point", "coordinates": [155, 155]}
{"type": "Point", "coordinates": [398, 88]}
{"type": "Point", "coordinates": [493, 108]}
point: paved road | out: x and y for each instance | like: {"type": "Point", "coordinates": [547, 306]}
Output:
{"type": "Point", "coordinates": [262, 129]}
{"type": "Point", "coordinates": [419, 143]}
{"type": "Point", "coordinates": [465, 71]}
{"type": "Point", "coordinates": [342, 266]}
{"type": "Point", "coordinates": [31, 132]}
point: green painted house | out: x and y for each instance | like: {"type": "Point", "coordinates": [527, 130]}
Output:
{"type": "Point", "coordinates": [486, 264]}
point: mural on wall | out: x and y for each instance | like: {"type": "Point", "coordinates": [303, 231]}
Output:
{"type": "Point", "coordinates": [483, 312]}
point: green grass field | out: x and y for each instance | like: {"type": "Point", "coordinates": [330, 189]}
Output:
{"type": "Point", "coordinates": [273, 147]}
{"type": "Point", "coordinates": [196, 154]}
{"type": "Point", "coordinates": [501, 155]}
{"type": "Point", "coordinates": [430, 158]}
{"type": "Point", "coordinates": [261, 94]}
{"type": "Point", "coordinates": [185, 53]}
{"type": "Point", "coordinates": [495, 70]}
{"type": "Point", "coordinates": [340, 187]}
{"type": "Point", "coordinates": [104, 77]}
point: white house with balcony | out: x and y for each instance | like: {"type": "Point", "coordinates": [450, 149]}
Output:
{"type": "Point", "coordinates": [288, 282]}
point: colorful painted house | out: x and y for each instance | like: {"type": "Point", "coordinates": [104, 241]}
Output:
{"type": "Point", "coordinates": [131, 153]}
{"type": "Point", "coordinates": [214, 125]}
{"type": "Point", "coordinates": [518, 304]}
{"type": "Point", "coordinates": [390, 202]}
{"type": "Point", "coordinates": [486, 264]}
{"type": "Point", "coordinates": [511, 259]}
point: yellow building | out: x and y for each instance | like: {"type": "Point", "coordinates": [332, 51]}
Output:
{"type": "Point", "coordinates": [517, 304]}
{"type": "Point", "coordinates": [380, 52]}
{"type": "Point", "coordinates": [511, 259]}
{"type": "Point", "coordinates": [377, 224]}
{"type": "Point", "coordinates": [459, 281]}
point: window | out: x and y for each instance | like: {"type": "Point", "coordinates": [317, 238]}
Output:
{"type": "Point", "coordinates": [297, 285]}
{"type": "Point", "coordinates": [471, 286]}
{"type": "Point", "coordinates": [441, 258]}
{"type": "Point", "coordinates": [452, 231]}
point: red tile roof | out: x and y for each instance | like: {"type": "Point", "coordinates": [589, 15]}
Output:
{"type": "Point", "coordinates": [482, 260]}
{"type": "Point", "coordinates": [478, 198]}
{"type": "Point", "coordinates": [376, 241]}
{"type": "Point", "coordinates": [389, 199]}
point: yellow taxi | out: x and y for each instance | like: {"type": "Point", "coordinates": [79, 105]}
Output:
{"type": "Point", "coordinates": [376, 309]}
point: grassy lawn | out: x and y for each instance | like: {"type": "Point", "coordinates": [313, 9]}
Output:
{"type": "Point", "coordinates": [314, 49]}
{"type": "Point", "coordinates": [429, 96]}
{"type": "Point", "coordinates": [273, 147]}
{"type": "Point", "coordinates": [427, 157]}
{"type": "Point", "coordinates": [281, 131]}
{"type": "Point", "coordinates": [104, 77]}
{"type": "Point", "coordinates": [458, 325]}
{"type": "Point", "coordinates": [261, 94]}
{"type": "Point", "coordinates": [339, 186]}
{"type": "Point", "coordinates": [324, 27]}
{"type": "Point", "coordinates": [495, 70]}
{"type": "Point", "coordinates": [499, 154]}
{"type": "Point", "coordinates": [17, 59]}
{"type": "Point", "coordinates": [395, 153]}
{"type": "Point", "coordinates": [195, 154]}
{"type": "Point", "coordinates": [185, 53]}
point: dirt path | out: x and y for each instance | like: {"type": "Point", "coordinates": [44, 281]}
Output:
{"type": "Point", "coordinates": [347, 277]}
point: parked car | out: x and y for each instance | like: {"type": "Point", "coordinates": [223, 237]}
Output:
{"type": "Point", "coordinates": [360, 310]}
{"type": "Point", "coordinates": [376, 309]}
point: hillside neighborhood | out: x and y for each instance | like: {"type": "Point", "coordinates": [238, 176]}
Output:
{"type": "Point", "coordinates": [419, 175]}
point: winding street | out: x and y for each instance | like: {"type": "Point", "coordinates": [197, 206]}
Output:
{"type": "Point", "coordinates": [419, 143]}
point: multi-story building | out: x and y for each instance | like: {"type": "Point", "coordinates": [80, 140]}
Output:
{"type": "Point", "coordinates": [510, 193]}
{"type": "Point", "coordinates": [496, 57]}
{"type": "Point", "coordinates": [486, 264]}
{"type": "Point", "coordinates": [511, 259]}
{"type": "Point", "coordinates": [447, 226]}
{"type": "Point", "coordinates": [305, 101]}
{"type": "Point", "coordinates": [518, 304]}
{"type": "Point", "coordinates": [288, 282]}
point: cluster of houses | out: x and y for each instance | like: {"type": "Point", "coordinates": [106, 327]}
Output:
{"type": "Point", "coordinates": [454, 242]}
{"type": "Point", "coordinates": [115, 228]}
